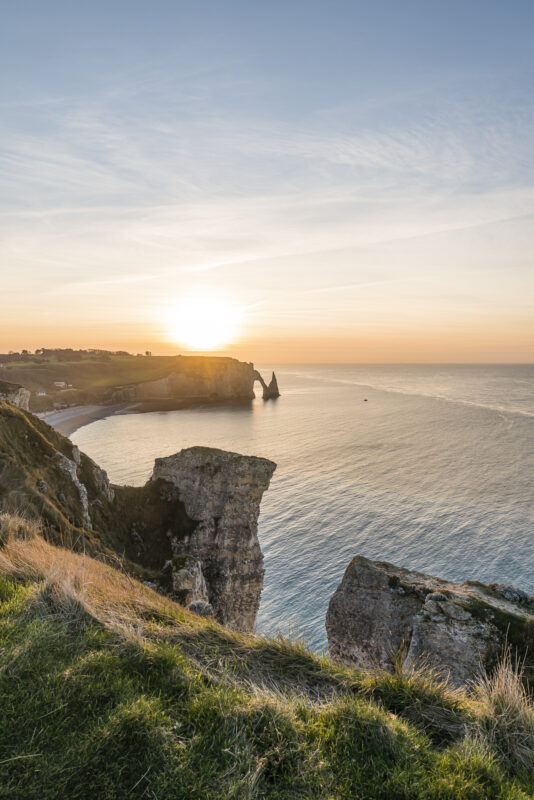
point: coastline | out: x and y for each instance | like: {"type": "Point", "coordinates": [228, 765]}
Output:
{"type": "Point", "coordinates": [68, 420]}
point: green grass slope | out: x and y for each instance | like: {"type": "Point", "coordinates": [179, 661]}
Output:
{"type": "Point", "coordinates": [109, 690]}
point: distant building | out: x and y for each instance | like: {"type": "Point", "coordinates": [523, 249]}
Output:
{"type": "Point", "coordinates": [40, 393]}
{"type": "Point", "coordinates": [60, 384]}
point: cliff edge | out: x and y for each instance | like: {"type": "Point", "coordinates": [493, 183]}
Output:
{"type": "Point", "coordinates": [190, 532]}
{"type": "Point", "coordinates": [381, 612]}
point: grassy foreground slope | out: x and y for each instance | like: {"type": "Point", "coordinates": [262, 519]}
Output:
{"type": "Point", "coordinates": [109, 690]}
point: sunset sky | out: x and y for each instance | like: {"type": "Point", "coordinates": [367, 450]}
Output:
{"type": "Point", "coordinates": [334, 181]}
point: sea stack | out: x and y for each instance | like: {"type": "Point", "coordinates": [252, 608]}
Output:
{"type": "Point", "coordinates": [271, 391]}
{"type": "Point", "coordinates": [221, 493]}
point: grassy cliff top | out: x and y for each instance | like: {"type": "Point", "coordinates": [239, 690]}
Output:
{"type": "Point", "coordinates": [99, 370]}
{"type": "Point", "coordinates": [110, 690]}
{"type": "Point", "coordinates": [7, 387]}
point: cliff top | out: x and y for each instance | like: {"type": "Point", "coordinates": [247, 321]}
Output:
{"type": "Point", "coordinates": [6, 387]}
{"type": "Point", "coordinates": [86, 370]}
{"type": "Point", "coordinates": [111, 690]}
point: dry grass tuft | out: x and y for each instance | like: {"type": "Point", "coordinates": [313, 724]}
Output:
{"type": "Point", "coordinates": [17, 526]}
{"type": "Point", "coordinates": [505, 718]}
{"type": "Point", "coordinates": [72, 580]}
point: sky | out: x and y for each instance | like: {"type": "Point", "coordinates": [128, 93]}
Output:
{"type": "Point", "coordinates": [350, 181]}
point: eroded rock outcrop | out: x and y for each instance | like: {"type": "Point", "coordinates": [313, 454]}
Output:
{"type": "Point", "coordinates": [221, 492]}
{"type": "Point", "coordinates": [15, 394]}
{"type": "Point", "coordinates": [270, 391]}
{"type": "Point", "coordinates": [379, 611]}
{"type": "Point", "coordinates": [190, 531]}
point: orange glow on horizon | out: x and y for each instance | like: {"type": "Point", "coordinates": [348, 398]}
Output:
{"type": "Point", "coordinates": [510, 341]}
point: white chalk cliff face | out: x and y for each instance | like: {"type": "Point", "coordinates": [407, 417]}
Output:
{"type": "Point", "coordinates": [379, 610]}
{"type": "Point", "coordinates": [221, 492]}
{"type": "Point", "coordinates": [218, 378]}
{"type": "Point", "coordinates": [17, 395]}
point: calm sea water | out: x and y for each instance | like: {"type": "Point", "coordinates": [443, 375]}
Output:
{"type": "Point", "coordinates": [435, 472]}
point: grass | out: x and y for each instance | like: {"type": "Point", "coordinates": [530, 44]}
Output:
{"type": "Point", "coordinates": [506, 720]}
{"type": "Point", "coordinates": [109, 690]}
{"type": "Point", "coordinates": [102, 373]}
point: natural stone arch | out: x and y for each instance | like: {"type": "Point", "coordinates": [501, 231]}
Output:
{"type": "Point", "coordinates": [270, 391]}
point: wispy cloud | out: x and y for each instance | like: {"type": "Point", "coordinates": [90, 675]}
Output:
{"type": "Point", "coordinates": [121, 192]}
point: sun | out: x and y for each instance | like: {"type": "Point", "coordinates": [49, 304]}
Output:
{"type": "Point", "coordinates": [203, 322]}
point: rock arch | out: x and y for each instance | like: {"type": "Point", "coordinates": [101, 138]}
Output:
{"type": "Point", "coordinates": [270, 391]}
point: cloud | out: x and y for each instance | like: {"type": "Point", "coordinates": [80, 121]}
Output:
{"type": "Point", "coordinates": [145, 192]}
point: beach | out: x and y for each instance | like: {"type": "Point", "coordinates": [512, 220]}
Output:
{"type": "Point", "coordinates": [68, 420]}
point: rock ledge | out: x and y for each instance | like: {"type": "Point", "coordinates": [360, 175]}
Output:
{"type": "Point", "coordinates": [379, 610]}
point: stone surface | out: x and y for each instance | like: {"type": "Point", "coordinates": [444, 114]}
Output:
{"type": "Point", "coordinates": [188, 583]}
{"type": "Point", "coordinates": [70, 466]}
{"type": "Point", "coordinates": [270, 391]}
{"type": "Point", "coordinates": [201, 608]}
{"type": "Point", "coordinates": [379, 610]}
{"type": "Point", "coordinates": [221, 493]}
{"type": "Point", "coordinates": [15, 394]}
{"type": "Point", "coordinates": [216, 378]}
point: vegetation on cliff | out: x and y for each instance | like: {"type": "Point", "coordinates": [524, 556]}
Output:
{"type": "Point", "coordinates": [111, 690]}
{"type": "Point", "coordinates": [70, 377]}
{"type": "Point", "coordinates": [201, 502]}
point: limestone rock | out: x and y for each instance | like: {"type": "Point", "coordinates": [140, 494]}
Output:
{"type": "Point", "coordinates": [271, 391]}
{"type": "Point", "coordinates": [459, 629]}
{"type": "Point", "coordinates": [221, 493]}
{"type": "Point", "coordinates": [201, 608]}
{"type": "Point", "coordinates": [188, 584]}
{"type": "Point", "coordinates": [191, 530]}
{"type": "Point", "coordinates": [216, 378]}
{"type": "Point", "coordinates": [71, 468]}
{"type": "Point", "coordinates": [101, 481]}
{"type": "Point", "coordinates": [15, 394]}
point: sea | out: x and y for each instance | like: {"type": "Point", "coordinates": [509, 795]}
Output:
{"type": "Point", "coordinates": [428, 467]}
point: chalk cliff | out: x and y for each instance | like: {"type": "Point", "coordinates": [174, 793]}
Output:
{"type": "Point", "coordinates": [213, 378]}
{"type": "Point", "coordinates": [379, 610]}
{"type": "Point", "coordinates": [221, 493]}
{"type": "Point", "coordinates": [15, 394]}
{"type": "Point", "coordinates": [190, 531]}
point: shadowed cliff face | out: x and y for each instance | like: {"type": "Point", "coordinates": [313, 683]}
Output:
{"type": "Point", "coordinates": [190, 531]}
{"type": "Point", "coordinates": [379, 610]}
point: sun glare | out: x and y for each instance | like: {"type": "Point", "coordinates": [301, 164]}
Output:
{"type": "Point", "coordinates": [203, 323]}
